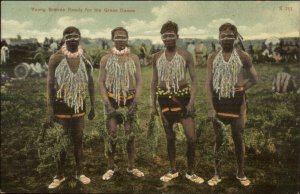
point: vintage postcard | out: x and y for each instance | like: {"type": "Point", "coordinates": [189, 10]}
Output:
{"type": "Point", "coordinates": [150, 97]}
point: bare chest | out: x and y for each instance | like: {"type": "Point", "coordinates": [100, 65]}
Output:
{"type": "Point", "coordinates": [73, 64]}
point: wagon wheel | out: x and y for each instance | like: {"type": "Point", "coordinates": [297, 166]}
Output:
{"type": "Point", "coordinates": [22, 70]}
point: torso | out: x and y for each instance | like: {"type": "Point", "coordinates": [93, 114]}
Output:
{"type": "Point", "coordinates": [179, 57]}
{"type": "Point", "coordinates": [228, 72]}
{"type": "Point", "coordinates": [121, 60]}
{"type": "Point", "coordinates": [243, 59]}
{"type": "Point", "coordinates": [71, 80]}
{"type": "Point", "coordinates": [73, 64]}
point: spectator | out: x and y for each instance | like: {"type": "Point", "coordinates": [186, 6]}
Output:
{"type": "Point", "coordinates": [283, 82]}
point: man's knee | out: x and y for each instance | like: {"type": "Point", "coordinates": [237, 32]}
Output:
{"type": "Point", "coordinates": [171, 137]}
{"type": "Point", "coordinates": [219, 139]}
{"type": "Point", "coordinates": [237, 131]}
{"type": "Point", "coordinates": [219, 134]}
{"type": "Point", "coordinates": [191, 140]}
{"type": "Point", "coordinates": [111, 127]}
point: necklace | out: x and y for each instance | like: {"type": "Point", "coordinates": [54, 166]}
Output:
{"type": "Point", "coordinates": [67, 53]}
{"type": "Point", "coordinates": [125, 51]}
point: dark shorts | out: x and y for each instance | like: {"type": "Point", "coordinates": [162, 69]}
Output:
{"type": "Point", "coordinates": [173, 105]}
{"type": "Point", "coordinates": [119, 116]}
{"type": "Point", "coordinates": [62, 110]}
{"type": "Point", "coordinates": [114, 103]}
{"type": "Point", "coordinates": [228, 109]}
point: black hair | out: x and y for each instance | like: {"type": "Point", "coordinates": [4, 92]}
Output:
{"type": "Point", "coordinates": [71, 29]}
{"type": "Point", "coordinates": [116, 29]}
{"type": "Point", "coordinates": [169, 26]}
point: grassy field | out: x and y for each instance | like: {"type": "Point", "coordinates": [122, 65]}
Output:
{"type": "Point", "coordinates": [271, 136]}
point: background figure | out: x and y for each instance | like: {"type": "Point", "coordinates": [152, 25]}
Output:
{"type": "Point", "coordinates": [283, 81]}
{"type": "Point", "coordinates": [191, 49]}
{"type": "Point", "coordinates": [46, 43]}
{"type": "Point", "coordinates": [200, 54]}
{"type": "Point", "coordinates": [4, 54]}
{"type": "Point", "coordinates": [142, 55]}
{"type": "Point", "coordinates": [53, 46]}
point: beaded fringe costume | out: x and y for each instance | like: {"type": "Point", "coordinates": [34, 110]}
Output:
{"type": "Point", "coordinates": [72, 86]}
{"type": "Point", "coordinates": [171, 72]}
{"type": "Point", "coordinates": [225, 74]}
{"type": "Point", "coordinates": [118, 77]}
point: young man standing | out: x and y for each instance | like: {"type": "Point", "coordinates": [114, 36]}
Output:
{"type": "Point", "coordinates": [69, 76]}
{"type": "Point", "coordinates": [120, 87]}
{"type": "Point", "coordinates": [176, 99]}
{"type": "Point", "coordinates": [227, 80]}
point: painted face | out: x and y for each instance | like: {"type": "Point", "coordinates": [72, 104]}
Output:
{"type": "Point", "coordinates": [227, 37]}
{"type": "Point", "coordinates": [72, 40]}
{"type": "Point", "coordinates": [169, 38]}
{"type": "Point", "coordinates": [120, 39]}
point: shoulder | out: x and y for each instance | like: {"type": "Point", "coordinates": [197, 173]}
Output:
{"type": "Point", "coordinates": [244, 56]}
{"type": "Point", "coordinates": [56, 58]}
{"type": "Point", "coordinates": [134, 57]}
{"type": "Point", "coordinates": [158, 54]}
{"type": "Point", "coordinates": [212, 55]}
{"type": "Point", "coordinates": [183, 52]}
{"type": "Point", "coordinates": [211, 58]}
{"type": "Point", "coordinates": [104, 59]}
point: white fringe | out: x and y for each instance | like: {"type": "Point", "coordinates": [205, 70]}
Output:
{"type": "Point", "coordinates": [225, 74]}
{"type": "Point", "coordinates": [171, 72]}
{"type": "Point", "coordinates": [72, 85]}
{"type": "Point", "coordinates": [118, 77]}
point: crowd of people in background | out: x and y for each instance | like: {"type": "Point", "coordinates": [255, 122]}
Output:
{"type": "Point", "coordinates": [282, 51]}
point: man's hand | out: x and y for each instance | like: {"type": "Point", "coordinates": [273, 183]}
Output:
{"type": "Point", "coordinates": [211, 115]}
{"type": "Point", "coordinates": [108, 107]}
{"type": "Point", "coordinates": [91, 114]}
{"type": "Point", "coordinates": [133, 107]}
{"type": "Point", "coordinates": [153, 112]}
{"type": "Point", "coordinates": [273, 88]}
{"type": "Point", "coordinates": [189, 108]}
{"type": "Point", "coordinates": [240, 89]}
{"type": "Point", "coordinates": [50, 122]}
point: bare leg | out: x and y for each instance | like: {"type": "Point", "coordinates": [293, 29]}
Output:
{"type": "Point", "coordinates": [189, 129]}
{"type": "Point", "coordinates": [171, 138]}
{"type": "Point", "coordinates": [237, 135]}
{"type": "Point", "coordinates": [61, 163]}
{"type": "Point", "coordinates": [218, 143]}
{"type": "Point", "coordinates": [77, 134]}
{"type": "Point", "coordinates": [130, 145]}
{"type": "Point", "coordinates": [111, 126]}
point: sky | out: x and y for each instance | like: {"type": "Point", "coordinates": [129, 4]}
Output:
{"type": "Point", "coordinates": [143, 19]}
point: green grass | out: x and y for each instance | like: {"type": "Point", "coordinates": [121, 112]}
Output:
{"type": "Point", "coordinates": [271, 138]}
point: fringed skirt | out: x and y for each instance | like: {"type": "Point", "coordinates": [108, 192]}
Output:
{"type": "Point", "coordinates": [62, 110]}
{"type": "Point", "coordinates": [229, 108]}
{"type": "Point", "coordinates": [173, 104]}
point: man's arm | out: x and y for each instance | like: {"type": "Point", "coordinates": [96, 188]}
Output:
{"type": "Point", "coordinates": [253, 78]}
{"type": "Point", "coordinates": [102, 79]}
{"type": "Point", "coordinates": [208, 87]}
{"type": "Point", "coordinates": [138, 77]}
{"type": "Point", "coordinates": [191, 69]}
{"type": "Point", "coordinates": [91, 89]}
{"type": "Point", "coordinates": [50, 87]}
{"type": "Point", "coordinates": [138, 90]}
{"type": "Point", "coordinates": [153, 89]}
